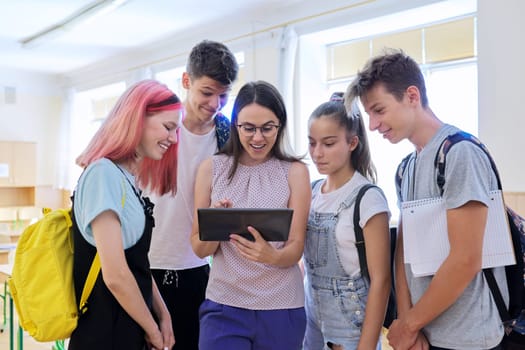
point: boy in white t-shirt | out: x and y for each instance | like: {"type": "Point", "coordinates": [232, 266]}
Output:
{"type": "Point", "coordinates": [180, 275]}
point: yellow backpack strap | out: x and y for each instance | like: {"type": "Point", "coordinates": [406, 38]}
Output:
{"type": "Point", "coordinates": [123, 186]}
{"type": "Point", "coordinates": [90, 283]}
{"type": "Point", "coordinates": [94, 270]}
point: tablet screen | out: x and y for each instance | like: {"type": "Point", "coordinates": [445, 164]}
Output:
{"type": "Point", "coordinates": [216, 224]}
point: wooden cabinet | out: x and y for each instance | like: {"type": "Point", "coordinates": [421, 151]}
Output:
{"type": "Point", "coordinates": [17, 173]}
{"type": "Point", "coordinates": [18, 185]}
{"type": "Point", "coordinates": [17, 164]}
{"type": "Point", "coordinates": [6, 151]}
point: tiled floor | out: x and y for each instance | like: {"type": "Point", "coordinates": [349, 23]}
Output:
{"type": "Point", "coordinates": [29, 343]}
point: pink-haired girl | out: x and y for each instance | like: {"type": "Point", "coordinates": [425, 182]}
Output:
{"type": "Point", "coordinates": [135, 147]}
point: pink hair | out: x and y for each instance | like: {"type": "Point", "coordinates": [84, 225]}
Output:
{"type": "Point", "coordinates": [119, 135]}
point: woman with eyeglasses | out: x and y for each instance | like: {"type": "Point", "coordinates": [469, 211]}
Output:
{"type": "Point", "coordinates": [255, 296]}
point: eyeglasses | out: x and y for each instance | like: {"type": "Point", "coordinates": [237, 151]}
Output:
{"type": "Point", "coordinates": [267, 130]}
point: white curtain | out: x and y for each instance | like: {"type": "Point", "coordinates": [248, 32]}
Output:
{"type": "Point", "coordinates": [64, 156]}
{"type": "Point", "coordinates": [287, 61]}
{"type": "Point", "coordinates": [140, 74]}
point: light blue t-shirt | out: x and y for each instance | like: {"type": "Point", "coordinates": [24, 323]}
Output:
{"type": "Point", "coordinates": [102, 187]}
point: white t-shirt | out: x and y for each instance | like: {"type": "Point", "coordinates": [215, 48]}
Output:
{"type": "Point", "coordinates": [170, 244]}
{"type": "Point", "coordinates": [372, 203]}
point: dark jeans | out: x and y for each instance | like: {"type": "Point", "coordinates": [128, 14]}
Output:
{"type": "Point", "coordinates": [183, 292]}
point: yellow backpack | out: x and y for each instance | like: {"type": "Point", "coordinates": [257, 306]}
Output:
{"type": "Point", "coordinates": [42, 284]}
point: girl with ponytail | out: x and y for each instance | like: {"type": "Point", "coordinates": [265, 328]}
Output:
{"type": "Point", "coordinates": [344, 309]}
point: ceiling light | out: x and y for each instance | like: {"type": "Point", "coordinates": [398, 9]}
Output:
{"type": "Point", "coordinates": [85, 14]}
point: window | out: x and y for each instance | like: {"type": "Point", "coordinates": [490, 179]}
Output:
{"type": "Point", "coordinates": [173, 80]}
{"type": "Point", "coordinates": [430, 44]}
{"type": "Point", "coordinates": [452, 95]}
{"type": "Point", "coordinates": [90, 108]}
{"type": "Point", "coordinates": [443, 42]}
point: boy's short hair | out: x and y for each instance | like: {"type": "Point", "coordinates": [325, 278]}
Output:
{"type": "Point", "coordinates": [214, 60]}
{"type": "Point", "coordinates": [395, 70]}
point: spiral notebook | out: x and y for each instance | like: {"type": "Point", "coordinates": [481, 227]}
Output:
{"type": "Point", "coordinates": [425, 237]}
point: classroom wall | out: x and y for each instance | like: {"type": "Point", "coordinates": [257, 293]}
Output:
{"type": "Point", "coordinates": [501, 93]}
{"type": "Point", "coordinates": [33, 115]}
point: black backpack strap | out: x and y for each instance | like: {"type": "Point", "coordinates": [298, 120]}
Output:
{"type": "Point", "coordinates": [222, 130]}
{"type": "Point", "coordinates": [391, 314]}
{"type": "Point", "coordinates": [496, 294]}
{"type": "Point", "coordinates": [359, 238]}
{"type": "Point", "coordinates": [440, 162]}
{"type": "Point", "coordinates": [400, 172]}
{"type": "Point", "coordinates": [315, 182]}
{"type": "Point", "coordinates": [451, 140]}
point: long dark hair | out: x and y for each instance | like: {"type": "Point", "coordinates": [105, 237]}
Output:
{"type": "Point", "coordinates": [266, 95]}
{"type": "Point", "coordinates": [352, 122]}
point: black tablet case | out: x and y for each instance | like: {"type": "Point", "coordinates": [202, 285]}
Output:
{"type": "Point", "coordinates": [216, 224]}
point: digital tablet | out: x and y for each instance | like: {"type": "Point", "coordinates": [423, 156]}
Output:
{"type": "Point", "coordinates": [216, 224]}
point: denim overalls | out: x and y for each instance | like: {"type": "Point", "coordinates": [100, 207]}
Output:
{"type": "Point", "coordinates": [335, 302]}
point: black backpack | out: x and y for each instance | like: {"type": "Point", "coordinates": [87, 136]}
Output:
{"type": "Point", "coordinates": [391, 311]}
{"type": "Point", "coordinates": [513, 317]}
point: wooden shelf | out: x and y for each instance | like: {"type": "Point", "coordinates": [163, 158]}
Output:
{"type": "Point", "coordinates": [18, 161]}
{"type": "Point", "coordinates": [17, 196]}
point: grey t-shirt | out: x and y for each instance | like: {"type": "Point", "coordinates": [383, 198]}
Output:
{"type": "Point", "coordinates": [473, 321]}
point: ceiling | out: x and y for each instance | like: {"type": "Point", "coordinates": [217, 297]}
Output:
{"type": "Point", "coordinates": [133, 24]}
{"type": "Point", "coordinates": [140, 25]}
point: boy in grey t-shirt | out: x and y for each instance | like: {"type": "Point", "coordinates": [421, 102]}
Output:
{"type": "Point", "coordinates": [452, 309]}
